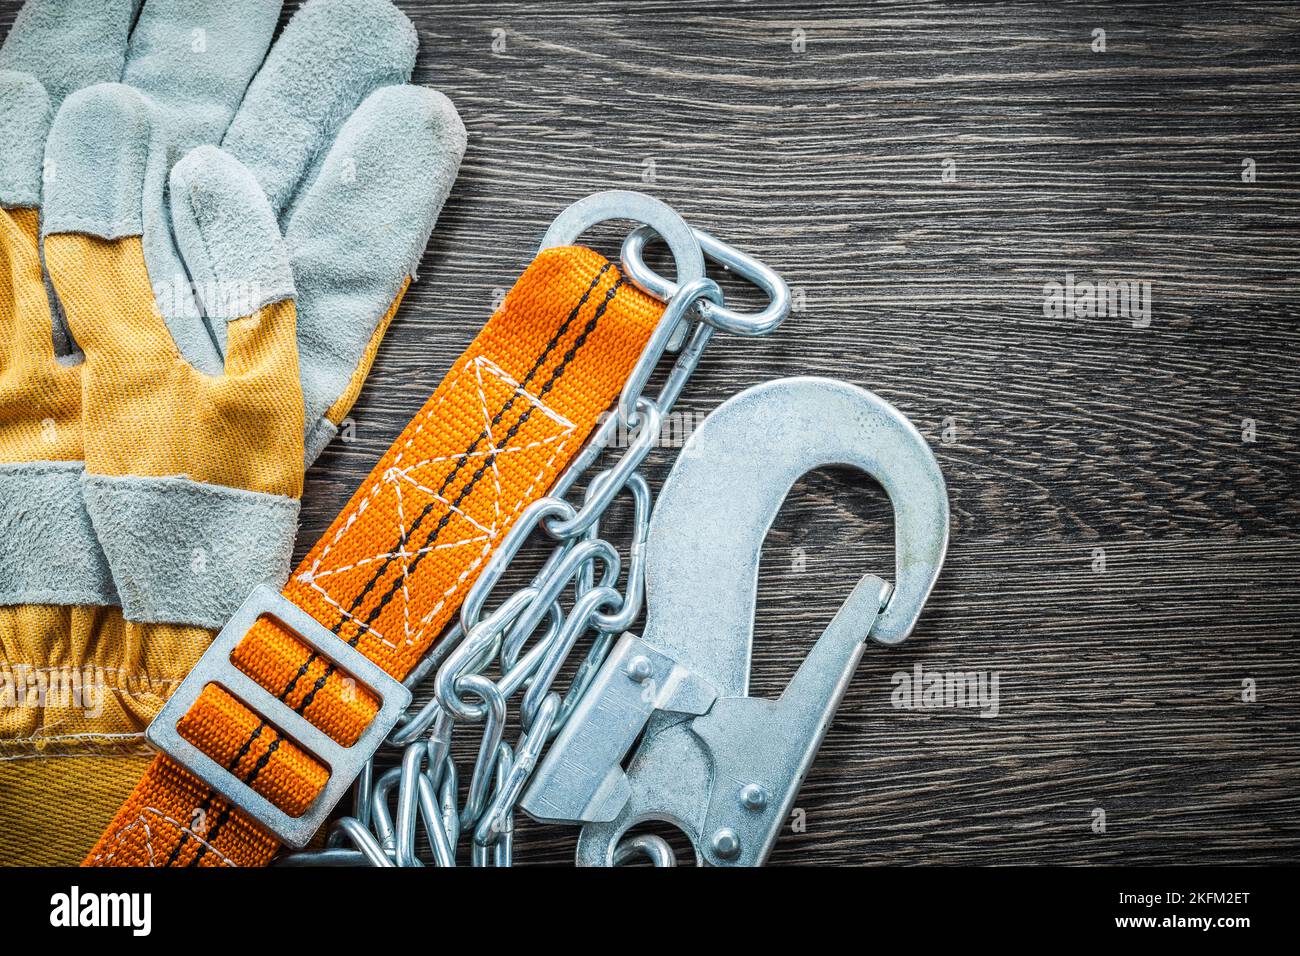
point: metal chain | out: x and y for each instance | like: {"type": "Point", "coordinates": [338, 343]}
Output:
{"type": "Point", "coordinates": [574, 594]}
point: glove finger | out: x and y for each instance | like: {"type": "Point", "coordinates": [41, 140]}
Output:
{"type": "Point", "coordinates": [194, 59]}
{"type": "Point", "coordinates": [109, 151]}
{"type": "Point", "coordinates": [25, 119]}
{"type": "Point", "coordinates": [331, 56]}
{"type": "Point", "coordinates": [69, 44]}
{"type": "Point", "coordinates": [357, 236]}
{"type": "Point", "coordinates": [235, 254]}
{"type": "Point", "coordinates": [24, 123]}
{"type": "Point", "coordinates": [233, 248]}
{"type": "Point", "coordinates": [26, 326]}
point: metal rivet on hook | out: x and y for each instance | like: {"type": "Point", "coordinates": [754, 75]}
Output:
{"type": "Point", "coordinates": [726, 844]}
{"type": "Point", "coordinates": [639, 669]}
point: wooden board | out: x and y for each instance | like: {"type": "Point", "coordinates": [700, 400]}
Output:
{"type": "Point", "coordinates": [1119, 690]}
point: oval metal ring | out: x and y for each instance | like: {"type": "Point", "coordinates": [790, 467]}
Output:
{"type": "Point", "coordinates": [626, 204]}
{"type": "Point", "coordinates": [719, 316]}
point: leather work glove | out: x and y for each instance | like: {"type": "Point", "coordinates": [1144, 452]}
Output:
{"type": "Point", "coordinates": [229, 300]}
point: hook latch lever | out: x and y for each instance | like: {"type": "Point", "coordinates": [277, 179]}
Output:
{"type": "Point", "coordinates": [759, 750]}
{"type": "Point", "coordinates": [581, 779]}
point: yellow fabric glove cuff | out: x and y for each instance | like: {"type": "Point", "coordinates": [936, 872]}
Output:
{"type": "Point", "coordinates": [78, 685]}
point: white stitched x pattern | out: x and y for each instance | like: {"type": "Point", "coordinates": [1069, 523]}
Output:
{"type": "Point", "coordinates": [443, 502]}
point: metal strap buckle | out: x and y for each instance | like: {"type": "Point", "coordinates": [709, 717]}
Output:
{"type": "Point", "coordinates": [215, 667]}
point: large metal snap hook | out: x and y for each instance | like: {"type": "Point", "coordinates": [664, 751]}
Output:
{"type": "Point", "coordinates": [722, 766]}
{"type": "Point", "coordinates": [733, 475]}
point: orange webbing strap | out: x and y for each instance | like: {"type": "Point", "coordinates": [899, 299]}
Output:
{"type": "Point", "coordinates": [393, 568]}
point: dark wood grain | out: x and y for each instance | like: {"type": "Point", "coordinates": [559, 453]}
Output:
{"type": "Point", "coordinates": [1120, 690]}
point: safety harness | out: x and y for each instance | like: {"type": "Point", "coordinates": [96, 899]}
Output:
{"type": "Point", "coordinates": [286, 710]}
{"type": "Point", "coordinates": [388, 575]}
